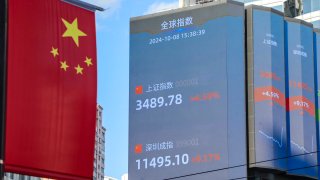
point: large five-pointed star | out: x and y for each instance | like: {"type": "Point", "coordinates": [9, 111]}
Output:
{"type": "Point", "coordinates": [73, 31]}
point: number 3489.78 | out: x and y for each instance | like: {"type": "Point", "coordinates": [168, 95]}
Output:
{"type": "Point", "coordinates": [159, 102]}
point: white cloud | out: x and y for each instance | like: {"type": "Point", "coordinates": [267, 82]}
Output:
{"type": "Point", "coordinates": [162, 6]}
{"type": "Point", "coordinates": [110, 6]}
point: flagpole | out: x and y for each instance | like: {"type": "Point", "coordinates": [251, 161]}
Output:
{"type": "Point", "coordinates": [3, 52]}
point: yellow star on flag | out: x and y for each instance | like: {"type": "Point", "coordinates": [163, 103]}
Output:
{"type": "Point", "coordinates": [88, 61]}
{"type": "Point", "coordinates": [79, 69]}
{"type": "Point", "coordinates": [64, 65]}
{"type": "Point", "coordinates": [73, 30]}
{"type": "Point", "coordinates": [54, 51]}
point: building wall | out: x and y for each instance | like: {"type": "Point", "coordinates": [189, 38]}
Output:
{"type": "Point", "coordinates": [99, 154]}
{"type": "Point", "coordinates": [12, 176]}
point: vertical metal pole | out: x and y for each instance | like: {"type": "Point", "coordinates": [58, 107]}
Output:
{"type": "Point", "coordinates": [3, 59]}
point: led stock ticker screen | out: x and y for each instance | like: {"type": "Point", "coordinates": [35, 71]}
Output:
{"type": "Point", "coordinates": [187, 104]}
{"type": "Point", "coordinates": [301, 119]}
{"type": "Point", "coordinates": [266, 86]}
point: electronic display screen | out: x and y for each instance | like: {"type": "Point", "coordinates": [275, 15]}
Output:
{"type": "Point", "coordinates": [187, 111]}
{"type": "Point", "coordinates": [266, 85]}
{"type": "Point", "coordinates": [301, 121]}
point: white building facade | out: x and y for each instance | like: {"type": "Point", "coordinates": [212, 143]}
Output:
{"type": "Point", "coordinates": [99, 154]}
{"type": "Point", "coordinates": [12, 176]}
{"type": "Point", "coordinates": [124, 177]}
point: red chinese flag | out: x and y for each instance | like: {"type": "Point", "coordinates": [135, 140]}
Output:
{"type": "Point", "coordinates": [51, 89]}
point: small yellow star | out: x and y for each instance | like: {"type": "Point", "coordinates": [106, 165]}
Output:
{"type": "Point", "coordinates": [73, 31]}
{"type": "Point", "coordinates": [54, 51]}
{"type": "Point", "coordinates": [88, 61]}
{"type": "Point", "coordinates": [79, 69]}
{"type": "Point", "coordinates": [64, 65]}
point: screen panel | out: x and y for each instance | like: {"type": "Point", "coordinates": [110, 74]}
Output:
{"type": "Point", "coordinates": [301, 122]}
{"type": "Point", "coordinates": [187, 94]}
{"type": "Point", "coordinates": [266, 88]}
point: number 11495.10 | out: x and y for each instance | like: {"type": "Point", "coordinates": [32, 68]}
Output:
{"type": "Point", "coordinates": [166, 161]}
